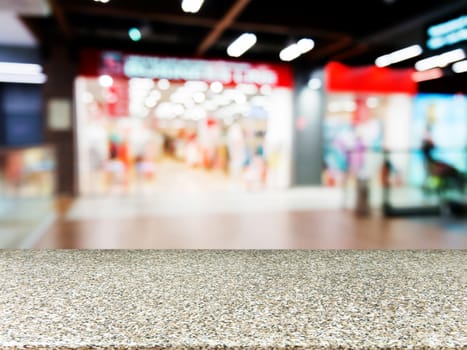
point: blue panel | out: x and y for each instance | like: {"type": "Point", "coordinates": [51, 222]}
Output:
{"type": "Point", "coordinates": [21, 114]}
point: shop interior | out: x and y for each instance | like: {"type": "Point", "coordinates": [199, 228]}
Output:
{"type": "Point", "coordinates": [378, 138]}
{"type": "Point", "coordinates": [142, 136]}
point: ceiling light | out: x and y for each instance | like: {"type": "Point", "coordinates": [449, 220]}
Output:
{"type": "Point", "coordinates": [29, 73]}
{"type": "Point", "coordinates": [460, 67]}
{"type": "Point", "coordinates": [191, 6]}
{"type": "Point", "coordinates": [292, 51]}
{"type": "Point", "coordinates": [399, 55]}
{"type": "Point", "coordinates": [134, 34]}
{"type": "Point", "coordinates": [305, 45]}
{"type": "Point", "coordinates": [440, 60]}
{"type": "Point", "coordinates": [39, 78]}
{"type": "Point", "coordinates": [451, 56]}
{"type": "Point", "coordinates": [239, 46]}
{"type": "Point", "coordinates": [447, 33]}
{"type": "Point", "coordinates": [20, 68]}
{"type": "Point", "coordinates": [102, 1]}
{"type": "Point", "coordinates": [427, 63]}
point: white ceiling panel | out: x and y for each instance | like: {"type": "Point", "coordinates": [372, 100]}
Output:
{"type": "Point", "coordinates": [13, 32]}
{"type": "Point", "coordinates": [26, 7]}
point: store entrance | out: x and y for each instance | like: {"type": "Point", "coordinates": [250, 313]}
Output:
{"type": "Point", "coordinates": [145, 136]}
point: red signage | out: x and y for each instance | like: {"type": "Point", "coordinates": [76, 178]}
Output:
{"type": "Point", "coordinates": [369, 79]}
{"type": "Point", "coordinates": [119, 64]}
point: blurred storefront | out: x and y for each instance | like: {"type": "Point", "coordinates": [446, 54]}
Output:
{"type": "Point", "coordinates": [374, 124]}
{"type": "Point", "coordinates": [138, 116]}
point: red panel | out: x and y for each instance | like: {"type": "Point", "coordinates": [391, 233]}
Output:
{"type": "Point", "coordinates": [117, 98]}
{"type": "Point", "coordinates": [369, 79]}
{"type": "Point", "coordinates": [89, 62]}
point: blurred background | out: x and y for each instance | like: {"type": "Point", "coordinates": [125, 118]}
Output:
{"type": "Point", "coordinates": [233, 124]}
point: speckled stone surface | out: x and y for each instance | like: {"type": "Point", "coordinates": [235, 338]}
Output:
{"type": "Point", "coordinates": [248, 299]}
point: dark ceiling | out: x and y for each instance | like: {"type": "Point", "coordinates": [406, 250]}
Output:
{"type": "Point", "coordinates": [351, 32]}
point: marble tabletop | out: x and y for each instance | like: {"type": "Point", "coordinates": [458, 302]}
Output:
{"type": "Point", "coordinates": [233, 299]}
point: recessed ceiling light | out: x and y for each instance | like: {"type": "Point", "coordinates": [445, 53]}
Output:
{"type": "Point", "coordinates": [399, 56]}
{"type": "Point", "coordinates": [242, 44]}
{"type": "Point", "coordinates": [294, 50]}
{"type": "Point", "coordinates": [460, 67]}
{"type": "Point", "coordinates": [191, 6]}
{"type": "Point", "coordinates": [134, 34]}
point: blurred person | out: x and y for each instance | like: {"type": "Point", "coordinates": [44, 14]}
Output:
{"type": "Point", "coordinates": [145, 169]}
{"type": "Point", "coordinates": [222, 157]}
{"type": "Point", "coordinates": [193, 152]}
{"type": "Point", "coordinates": [390, 175]}
{"type": "Point", "coordinates": [255, 172]}
{"type": "Point", "coordinates": [117, 166]}
{"type": "Point", "coordinates": [449, 177]}
{"type": "Point", "coordinates": [236, 147]}
{"type": "Point", "coordinates": [328, 176]}
{"type": "Point", "coordinates": [97, 152]}
{"type": "Point", "coordinates": [357, 157]}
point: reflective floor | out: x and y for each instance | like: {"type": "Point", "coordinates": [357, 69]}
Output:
{"type": "Point", "coordinates": [24, 220]}
{"type": "Point", "coordinates": [306, 218]}
{"type": "Point", "coordinates": [194, 209]}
